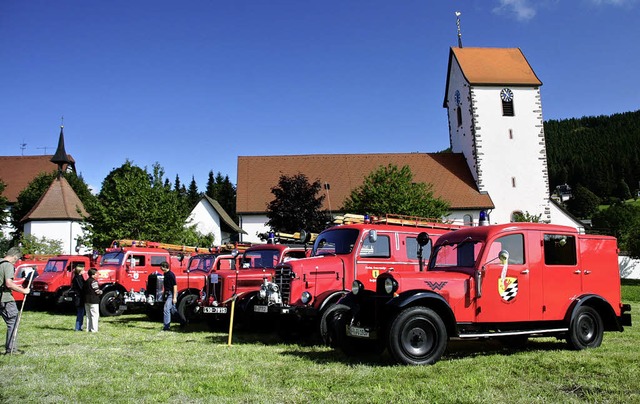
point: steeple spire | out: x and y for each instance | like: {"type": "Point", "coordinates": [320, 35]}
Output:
{"type": "Point", "coordinates": [61, 157]}
{"type": "Point", "coordinates": [459, 31]}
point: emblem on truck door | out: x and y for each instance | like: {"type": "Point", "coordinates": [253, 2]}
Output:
{"type": "Point", "coordinates": [508, 288]}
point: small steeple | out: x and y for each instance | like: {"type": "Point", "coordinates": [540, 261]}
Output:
{"type": "Point", "coordinates": [61, 157]}
{"type": "Point", "coordinates": [459, 31]}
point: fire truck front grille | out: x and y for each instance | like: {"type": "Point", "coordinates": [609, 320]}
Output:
{"type": "Point", "coordinates": [283, 280]}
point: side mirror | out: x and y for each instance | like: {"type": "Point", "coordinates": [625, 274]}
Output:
{"type": "Point", "coordinates": [373, 236]}
{"type": "Point", "coordinates": [235, 252]}
{"type": "Point", "coordinates": [503, 256]}
{"type": "Point", "coordinates": [304, 236]}
{"type": "Point", "coordinates": [423, 239]}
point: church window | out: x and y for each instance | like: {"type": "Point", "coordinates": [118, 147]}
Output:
{"type": "Point", "coordinates": [510, 133]}
{"type": "Point", "coordinates": [459, 113]}
{"type": "Point", "coordinates": [468, 220]}
{"type": "Point", "coordinates": [513, 182]}
{"type": "Point", "coordinates": [506, 95]}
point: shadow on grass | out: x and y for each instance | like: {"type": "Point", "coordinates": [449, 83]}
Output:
{"type": "Point", "coordinates": [456, 350]}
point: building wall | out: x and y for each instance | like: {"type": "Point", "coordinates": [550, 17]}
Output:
{"type": "Point", "coordinates": [253, 224]}
{"type": "Point", "coordinates": [67, 232]}
{"type": "Point", "coordinates": [207, 221]}
{"type": "Point", "coordinates": [629, 267]}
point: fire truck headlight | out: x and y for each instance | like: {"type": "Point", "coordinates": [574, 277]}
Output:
{"type": "Point", "coordinates": [356, 287]}
{"type": "Point", "coordinates": [46, 287]}
{"type": "Point", "coordinates": [390, 285]}
{"type": "Point", "coordinates": [262, 294]}
{"type": "Point", "coordinates": [306, 297]}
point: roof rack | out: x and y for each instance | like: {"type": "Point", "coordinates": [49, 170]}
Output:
{"type": "Point", "coordinates": [228, 247]}
{"type": "Point", "coordinates": [297, 237]}
{"type": "Point", "coordinates": [398, 220]}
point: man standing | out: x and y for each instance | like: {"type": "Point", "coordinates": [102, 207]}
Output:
{"type": "Point", "coordinates": [170, 297]}
{"type": "Point", "coordinates": [8, 306]}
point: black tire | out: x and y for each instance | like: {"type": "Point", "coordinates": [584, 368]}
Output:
{"type": "Point", "coordinates": [328, 329]}
{"type": "Point", "coordinates": [186, 308]}
{"type": "Point", "coordinates": [417, 336]}
{"type": "Point", "coordinates": [110, 304]}
{"type": "Point", "coordinates": [586, 329]}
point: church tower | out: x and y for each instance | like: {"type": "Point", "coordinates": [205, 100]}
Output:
{"type": "Point", "coordinates": [494, 108]}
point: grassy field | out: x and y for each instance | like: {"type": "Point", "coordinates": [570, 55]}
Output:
{"type": "Point", "coordinates": [131, 360]}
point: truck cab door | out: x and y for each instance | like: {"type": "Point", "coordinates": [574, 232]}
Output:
{"type": "Point", "coordinates": [505, 286]}
{"type": "Point", "coordinates": [562, 275]}
{"type": "Point", "coordinates": [373, 258]}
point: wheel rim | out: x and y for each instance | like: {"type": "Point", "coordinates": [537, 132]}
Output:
{"type": "Point", "coordinates": [587, 328]}
{"type": "Point", "coordinates": [418, 338]}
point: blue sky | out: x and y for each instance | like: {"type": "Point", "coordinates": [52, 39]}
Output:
{"type": "Point", "coordinates": [194, 84]}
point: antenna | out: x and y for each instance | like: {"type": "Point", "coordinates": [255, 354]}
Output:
{"type": "Point", "coordinates": [44, 148]}
{"type": "Point", "coordinates": [459, 32]}
{"type": "Point", "coordinates": [23, 146]}
{"type": "Point", "coordinates": [327, 187]}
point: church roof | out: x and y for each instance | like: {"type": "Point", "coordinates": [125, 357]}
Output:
{"type": "Point", "coordinates": [447, 172]}
{"type": "Point", "coordinates": [59, 202]}
{"type": "Point", "coordinates": [18, 171]}
{"type": "Point", "coordinates": [495, 66]}
{"type": "Point", "coordinates": [224, 216]}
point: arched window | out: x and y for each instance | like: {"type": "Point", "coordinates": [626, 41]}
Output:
{"type": "Point", "coordinates": [459, 113]}
{"type": "Point", "coordinates": [468, 220]}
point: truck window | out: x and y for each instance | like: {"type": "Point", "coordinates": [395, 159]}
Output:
{"type": "Point", "coordinates": [338, 241]}
{"type": "Point", "coordinates": [55, 266]}
{"type": "Point", "coordinates": [140, 261]}
{"type": "Point", "coordinates": [156, 260]}
{"type": "Point", "coordinates": [461, 254]}
{"type": "Point", "coordinates": [559, 249]}
{"type": "Point", "coordinates": [514, 243]}
{"type": "Point", "coordinates": [379, 249]}
{"type": "Point", "coordinates": [412, 249]}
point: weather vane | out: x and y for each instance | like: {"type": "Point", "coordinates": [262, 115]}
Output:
{"type": "Point", "coordinates": [459, 32]}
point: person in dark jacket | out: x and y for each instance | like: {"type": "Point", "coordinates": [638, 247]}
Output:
{"type": "Point", "coordinates": [92, 294]}
{"type": "Point", "coordinates": [77, 286]}
{"type": "Point", "coordinates": [170, 297]}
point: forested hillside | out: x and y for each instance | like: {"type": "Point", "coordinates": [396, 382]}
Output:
{"type": "Point", "coordinates": [600, 153]}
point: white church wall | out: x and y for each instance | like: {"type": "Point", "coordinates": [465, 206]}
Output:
{"type": "Point", "coordinates": [207, 220]}
{"type": "Point", "coordinates": [460, 136]}
{"type": "Point", "coordinates": [67, 232]}
{"type": "Point", "coordinates": [511, 152]}
{"type": "Point", "coordinates": [629, 267]}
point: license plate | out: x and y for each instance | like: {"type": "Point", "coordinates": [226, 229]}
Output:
{"type": "Point", "coordinates": [123, 307]}
{"type": "Point", "coordinates": [35, 293]}
{"type": "Point", "coordinates": [260, 309]}
{"type": "Point", "coordinates": [357, 332]}
{"type": "Point", "coordinates": [214, 310]}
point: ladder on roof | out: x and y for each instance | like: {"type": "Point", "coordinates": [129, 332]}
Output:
{"type": "Point", "coordinates": [399, 220]}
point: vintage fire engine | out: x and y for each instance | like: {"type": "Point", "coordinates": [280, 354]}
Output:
{"type": "Point", "coordinates": [243, 283]}
{"type": "Point", "coordinates": [26, 268]}
{"type": "Point", "coordinates": [513, 282]}
{"type": "Point", "coordinates": [125, 267]}
{"type": "Point", "coordinates": [53, 284]}
{"type": "Point", "coordinates": [192, 280]}
{"type": "Point", "coordinates": [303, 290]}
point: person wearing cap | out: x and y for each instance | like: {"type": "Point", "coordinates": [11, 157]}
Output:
{"type": "Point", "coordinates": [77, 286]}
{"type": "Point", "coordinates": [170, 297]}
{"type": "Point", "coordinates": [8, 306]}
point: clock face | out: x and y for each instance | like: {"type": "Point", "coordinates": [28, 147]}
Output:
{"type": "Point", "coordinates": [506, 95]}
{"type": "Point", "coordinates": [457, 98]}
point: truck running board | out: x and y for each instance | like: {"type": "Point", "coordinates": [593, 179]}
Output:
{"type": "Point", "coordinates": [507, 333]}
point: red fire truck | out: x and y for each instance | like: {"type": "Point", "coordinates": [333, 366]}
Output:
{"type": "Point", "coordinates": [303, 290]}
{"type": "Point", "coordinates": [53, 284]}
{"type": "Point", "coordinates": [243, 283]}
{"type": "Point", "coordinates": [29, 265]}
{"type": "Point", "coordinates": [125, 267]}
{"type": "Point", "coordinates": [192, 280]}
{"type": "Point", "coordinates": [512, 282]}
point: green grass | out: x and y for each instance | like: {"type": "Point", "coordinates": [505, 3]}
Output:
{"type": "Point", "coordinates": [131, 360]}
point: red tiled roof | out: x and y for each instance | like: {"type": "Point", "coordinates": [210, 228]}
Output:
{"type": "Point", "coordinates": [60, 202]}
{"type": "Point", "coordinates": [18, 171]}
{"type": "Point", "coordinates": [495, 66]}
{"type": "Point", "coordinates": [447, 172]}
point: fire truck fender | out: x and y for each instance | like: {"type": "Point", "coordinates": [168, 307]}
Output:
{"type": "Point", "coordinates": [327, 299]}
{"type": "Point", "coordinates": [424, 298]}
{"type": "Point", "coordinates": [246, 302]}
{"type": "Point", "coordinates": [601, 305]}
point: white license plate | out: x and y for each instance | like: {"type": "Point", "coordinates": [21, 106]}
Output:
{"type": "Point", "coordinates": [35, 293]}
{"type": "Point", "coordinates": [357, 332]}
{"type": "Point", "coordinates": [260, 309]}
{"type": "Point", "coordinates": [214, 310]}
{"type": "Point", "coordinates": [123, 307]}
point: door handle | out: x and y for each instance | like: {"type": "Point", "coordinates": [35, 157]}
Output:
{"type": "Point", "coordinates": [587, 272]}
{"type": "Point", "coordinates": [526, 271]}
{"type": "Point", "coordinates": [577, 272]}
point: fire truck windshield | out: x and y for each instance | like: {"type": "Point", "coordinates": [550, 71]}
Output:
{"type": "Point", "coordinates": [201, 263]}
{"type": "Point", "coordinates": [462, 254]}
{"type": "Point", "coordinates": [261, 259]}
{"type": "Point", "coordinates": [112, 258]}
{"type": "Point", "coordinates": [55, 266]}
{"type": "Point", "coordinates": [337, 241]}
